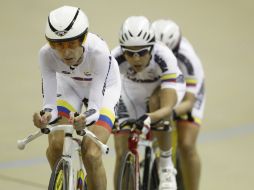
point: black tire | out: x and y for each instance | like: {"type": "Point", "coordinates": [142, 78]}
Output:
{"type": "Point", "coordinates": [147, 163]}
{"type": "Point", "coordinates": [59, 179]}
{"type": "Point", "coordinates": [126, 177]}
{"type": "Point", "coordinates": [155, 180]}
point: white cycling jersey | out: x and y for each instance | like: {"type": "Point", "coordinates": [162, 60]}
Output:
{"type": "Point", "coordinates": [96, 78]}
{"type": "Point", "coordinates": [191, 67]}
{"type": "Point", "coordinates": [137, 87]}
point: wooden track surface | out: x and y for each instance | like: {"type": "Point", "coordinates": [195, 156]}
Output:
{"type": "Point", "coordinates": [222, 33]}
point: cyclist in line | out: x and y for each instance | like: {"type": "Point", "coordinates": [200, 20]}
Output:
{"type": "Point", "coordinates": [77, 68]}
{"type": "Point", "coordinates": [189, 112]}
{"type": "Point", "coordinates": [146, 66]}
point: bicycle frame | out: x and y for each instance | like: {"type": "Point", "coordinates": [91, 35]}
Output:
{"type": "Point", "coordinates": [71, 148]}
{"type": "Point", "coordinates": [135, 141]}
{"type": "Point", "coordinates": [71, 154]}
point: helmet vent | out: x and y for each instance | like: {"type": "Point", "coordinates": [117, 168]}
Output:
{"type": "Point", "coordinates": [144, 35]}
{"type": "Point", "coordinates": [122, 38]}
{"type": "Point", "coordinates": [126, 37]}
{"type": "Point", "coordinates": [148, 36]}
{"type": "Point", "coordinates": [130, 33]}
{"type": "Point", "coordinates": [161, 37]}
{"type": "Point", "coordinates": [140, 33]}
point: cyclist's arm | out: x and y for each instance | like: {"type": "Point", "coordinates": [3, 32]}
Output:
{"type": "Point", "coordinates": [186, 105]}
{"type": "Point", "coordinates": [170, 76]}
{"type": "Point", "coordinates": [105, 89]}
{"type": "Point", "coordinates": [49, 84]}
{"type": "Point", "coordinates": [168, 99]}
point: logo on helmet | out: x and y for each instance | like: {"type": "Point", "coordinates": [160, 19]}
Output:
{"type": "Point", "coordinates": [61, 33]}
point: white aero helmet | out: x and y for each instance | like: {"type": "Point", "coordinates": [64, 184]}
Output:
{"type": "Point", "coordinates": [136, 31]}
{"type": "Point", "coordinates": [168, 32]}
{"type": "Point", "coordinates": [66, 23]}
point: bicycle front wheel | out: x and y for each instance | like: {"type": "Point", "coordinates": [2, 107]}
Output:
{"type": "Point", "coordinates": [127, 178]}
{"type": "Point", "coordinates": [155, 181]}
{"type": "Point", "coordinates": [59, 179]}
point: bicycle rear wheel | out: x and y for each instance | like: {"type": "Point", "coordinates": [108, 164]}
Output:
{"type": "Point", "coordinates": [127, 176]}
{"type": "Point", "coordinates": [59, 179]}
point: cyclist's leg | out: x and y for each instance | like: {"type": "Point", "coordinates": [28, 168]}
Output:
{"type": "Point", "coordinates": [167, 171]}
{"type": "Point", "coordinates": [121, 146]}
{"type": "Point", "coordinates": [189, 159]}
{"type": "Point", "coordinates": [67, 101]}
{"type": "Point", "coordinates": [163, 137]}
{"type": "Point", "coordinates": [188, 127]}
{"type": "Point", "coordinates": [55, 148]}
{"type": "Point", "coordinates": [92, 158]}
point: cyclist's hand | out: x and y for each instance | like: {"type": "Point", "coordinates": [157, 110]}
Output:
{"type": "Point", "coordinates": [41, 120]}
{"type": "Point", "coordinates": [144, 124]}
{"type": "Point", "coordinates": [78, 120]}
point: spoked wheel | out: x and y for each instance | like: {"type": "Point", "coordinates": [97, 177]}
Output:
{"type": "Point", "coordinates": [81, 183]}
{"type": "Point", "coordinates": [59, 179]}
{"type": "Point", "coordinates": [147, 171]}
{"type": "Point", "coordinates": [127, 176]}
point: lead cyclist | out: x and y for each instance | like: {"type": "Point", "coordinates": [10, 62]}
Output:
{"type": "Point", "coordinates": [77, 68]}
{"type": "Point", "coordinates": [189, 113]}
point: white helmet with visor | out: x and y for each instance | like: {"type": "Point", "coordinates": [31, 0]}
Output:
{"type": "Point", "coordinates": [66, 23]}
{"type": "Point", "coordinates": [168, 32]}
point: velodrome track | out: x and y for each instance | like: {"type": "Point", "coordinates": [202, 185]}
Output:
{"type": "Point", "coordinates": [222, 33]}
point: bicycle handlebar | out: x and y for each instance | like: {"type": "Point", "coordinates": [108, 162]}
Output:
{"type": "Point", "coordinates": [67, 129]}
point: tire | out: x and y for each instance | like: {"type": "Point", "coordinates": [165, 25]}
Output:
{"type": "Point", "coordinates": [59, 179]}
{"type": "Point", "coordinates": [147, 163]}
{"type": "Point", "coordinates": [155, 180]}
{"type": "Point", "coordinates": [126, 177]}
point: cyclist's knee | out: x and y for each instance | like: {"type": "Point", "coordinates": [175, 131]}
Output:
{"type": "Point", "coordinates": [56, 143]}
{"type": "Point", "coordinates": [186, 147]}
{"type": "Point", "coordinates": [91, 153]}
{"type": "Point", "coordinates": [120, 149]}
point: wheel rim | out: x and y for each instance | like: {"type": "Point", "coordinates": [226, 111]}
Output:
{"type": "Point", "coordinates": [59, 181]}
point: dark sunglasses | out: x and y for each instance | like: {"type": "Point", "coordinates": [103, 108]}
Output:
{"type": "Point", "coordinates": [138, 52]}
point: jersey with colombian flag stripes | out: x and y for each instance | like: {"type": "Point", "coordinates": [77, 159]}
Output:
{"type": "Point", "coordinates": [96, 78]}
{"type": "Point", "coordinates": [162, 67]}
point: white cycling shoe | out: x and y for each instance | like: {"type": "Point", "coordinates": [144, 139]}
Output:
{"type": "Point", "coordinates": [168, 179]}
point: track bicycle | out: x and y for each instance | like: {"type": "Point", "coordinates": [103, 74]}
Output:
{"type": "Point", "coordinates": [69, 172]}
{"type": "Point", "coordinates": [130, 176]}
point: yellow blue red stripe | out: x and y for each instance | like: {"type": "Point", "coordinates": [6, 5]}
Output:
{"type": "Point", "coordinates": [64, 108]}
{"type": "Point", "coordinates": [106, 119]}
{"type": "Point", "coordinates": [191, 82]}
{"type": "Point", "coordinates": [169, 77]}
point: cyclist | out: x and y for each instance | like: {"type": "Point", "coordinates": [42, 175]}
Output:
{"type": "Point", "coordinates": [189, 112]}
{"type": "Point", "coordinates": [146, 66]}
{"type": "Point", "coordinates": [77, 68]}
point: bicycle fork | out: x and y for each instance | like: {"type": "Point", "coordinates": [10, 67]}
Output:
{"type": "Point", "coordinates": [133, 145]}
